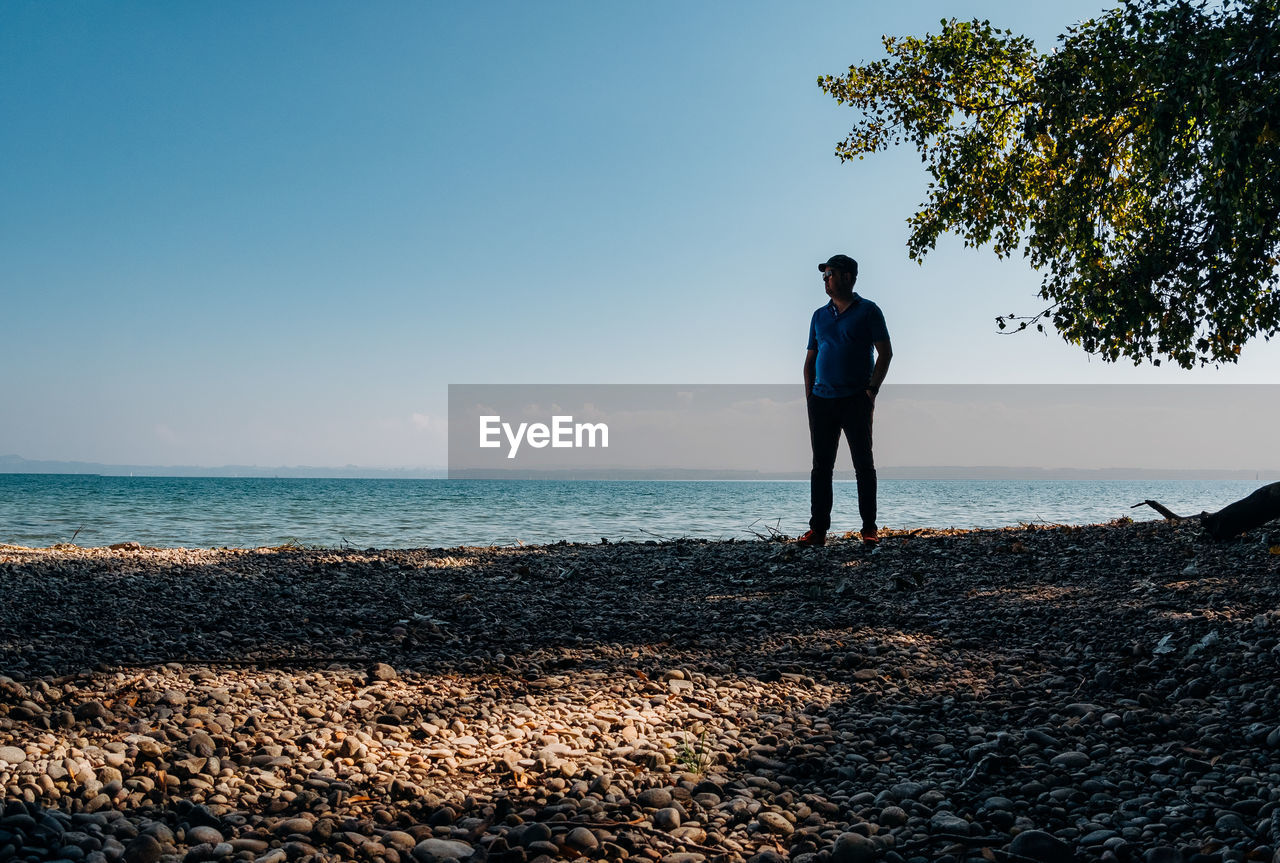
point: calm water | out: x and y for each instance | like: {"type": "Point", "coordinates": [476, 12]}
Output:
{"type": "Point", "coordinates": [42, 509]}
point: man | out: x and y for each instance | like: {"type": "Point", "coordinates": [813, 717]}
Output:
{"type": "Point", "coordinates": [841, 382]}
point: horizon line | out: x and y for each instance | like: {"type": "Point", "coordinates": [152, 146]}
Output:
{"type": "Point", "coordinates": [17, 465]}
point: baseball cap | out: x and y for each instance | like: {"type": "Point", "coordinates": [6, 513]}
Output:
{"type": "Point", "coordinates": [840, 262]}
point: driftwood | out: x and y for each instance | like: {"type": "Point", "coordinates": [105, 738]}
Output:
{"type": "Point", "coordinates": [1234, 519]}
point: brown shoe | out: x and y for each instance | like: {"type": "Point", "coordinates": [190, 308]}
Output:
{"type": "Point", "coordinates": [813, 539]}
{"type": "Point", "coordinates": [870, 538]}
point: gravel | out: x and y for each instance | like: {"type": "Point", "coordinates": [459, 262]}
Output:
{"type": "Point", "coordinates": [1045, 693]}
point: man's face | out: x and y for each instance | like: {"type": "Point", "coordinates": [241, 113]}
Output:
{"type": "Point", "coordinates": [836, 281]}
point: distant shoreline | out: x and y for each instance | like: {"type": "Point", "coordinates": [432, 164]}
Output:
{"type": "Point", "coordinates": [13, 466]}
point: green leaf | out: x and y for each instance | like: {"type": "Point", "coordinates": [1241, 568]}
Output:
{"type": "Point", "coordinates": [1133, 165]}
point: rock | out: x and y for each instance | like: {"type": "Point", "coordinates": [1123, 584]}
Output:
{"type": "Point", "coordinates": [1097, 837]}
{"type": "Point", "coordinates": [1040, 738]}
{"type": "Point", "coordinates": [143, 849]}
{"type": "Point", "coordinates": [690, 833]}
{"type": "Point", "coordinates": [582, 839]}
{"type": "Point", "coordinates": [254, 846]}
{"type": "Point", "coordinates": [207, 852]}
{"type": "Point", "coordinates": [947, 822]}
{"type": "Point", "coordinates": [160, 831]}
{"type": "Point", "coordinates": [1230, 823]}
{"type": "Point", "coordinates": [442, 817]}
{"type": "Point", "coordinates": [294, 825]}
{"type": "Point", "coordinates": [893, 816]}
{"type": "Point", "coordinates": [92, 710]}
{"type": "Point", "coordinates": [1042, 847]}
{"type": "Point", "coordinates": [707, 786]}
{"type": "Point", "coordinates": [775, 823]}
{"type": "Point", "coordinates": [382, 671]}
{"type": "Point", "coordinates": [667, 818]}
{"type": "Point", "coordinates": [11, 688]}
{"type": "Point", "coordinates": [656, 798]}
{"type": "Point", "coordinates": [201, 744]}
{"type": "Point", "coordinates": [932, 798]}
{"type": "Point", "coordinates": [1071, 760]}
{"type": "Point", "coordinates": [906, 791]}
{"type": "Point", "coordinates": [12, 755]}
{"type": "Point", "coordinates": [297, 849]}
{"type": "Point", "coordinates": [536, 832]}
{"type": "Point", "coordinates": [1082, 708]}
{"type": "Point", "coordinates": [400, 840]}
{"type": "Point", "coordinates": [854, 848]}
{"type": "Point", "coordinates": [202, 834]}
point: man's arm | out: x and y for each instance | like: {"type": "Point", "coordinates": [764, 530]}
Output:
{"type": "Point", "coordinates": [810, 364]}
{"type": "Point", "coordinates": [884, 353]}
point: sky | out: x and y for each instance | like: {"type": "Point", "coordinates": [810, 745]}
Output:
{"type": "Point", "coordinates": [273, 234]}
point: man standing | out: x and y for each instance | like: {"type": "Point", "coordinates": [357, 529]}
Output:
{"type": "Point", "coordinates": [841, 382]}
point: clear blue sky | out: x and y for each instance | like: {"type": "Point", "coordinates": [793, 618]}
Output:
{"type": "Point", "coordinates": [274, 233]}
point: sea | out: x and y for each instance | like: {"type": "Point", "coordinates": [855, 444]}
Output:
{"type": "Point", "coordinates": [39, 510]}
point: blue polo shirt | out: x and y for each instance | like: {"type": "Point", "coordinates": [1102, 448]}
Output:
{"type": "Point", "coordinates": [844, 344]}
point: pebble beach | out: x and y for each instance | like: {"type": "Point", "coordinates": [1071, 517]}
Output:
{"type": "Point", "coordinates": [1041, 693]}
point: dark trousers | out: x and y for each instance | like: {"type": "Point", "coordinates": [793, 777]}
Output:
{"type": "Point", "coordinates": [827, 419]}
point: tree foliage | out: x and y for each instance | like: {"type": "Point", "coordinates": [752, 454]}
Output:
{"type": "Point", "coordinates": [1137, 166]}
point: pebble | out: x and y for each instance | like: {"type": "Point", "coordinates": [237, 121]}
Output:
{"type": "Point", "coordinates": [774, 822]}
{"type": "Point", "coordinates": [947, 822]}
{"type": "Point", "coordinates": [582, 839]}
{"type": "Point", "coordinates": [1071, 760]}
{"type": "Point", "coordinates": [666, 819]}
{"type": "Point", "coordinates": [854, 848]}
{"type": "Point", "coordinates": [893, 816]}
{"type": "Point", "coordinates": [204, 835]}
{"type": "Point", "coordinates": [143, 849]}
{"type": "Point", "coordinates": [92, 710]}
{"type": "Point", "coordinates": [382, 671]}
{"type": "Point", "coordinates": [658, 798]}
{"type": "Point", "coordinates": [438, 849]}
{"type": "Point", "coordinates": [1041, 846]}
{"type": "Point", "coordinates": [1097, 837]}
